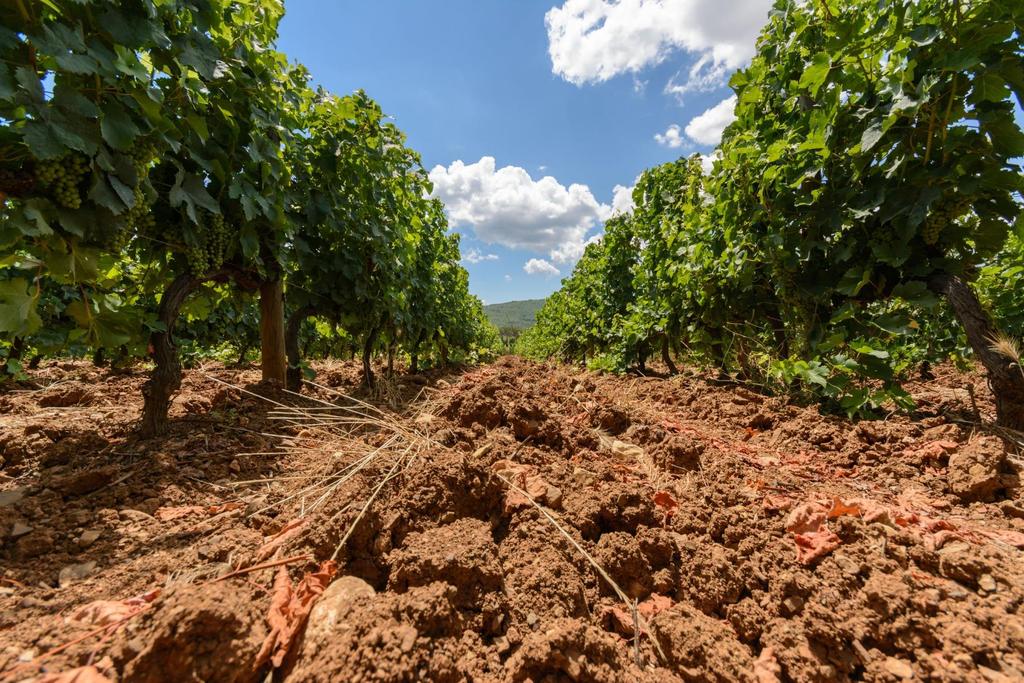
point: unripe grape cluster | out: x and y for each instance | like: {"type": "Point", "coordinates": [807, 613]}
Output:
{"type": "Point", "coordinates": [212, 248]}
{"type": "Point", "coordinates": [61, 177]}
{"type": "Point", "coordinates": [948, 211]}
{"type": "Point", "coordinates": [139, 217]}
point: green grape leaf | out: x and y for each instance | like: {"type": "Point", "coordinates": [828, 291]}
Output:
{"type": "Point", "coordinates": [18, 316]}
{"type": "Point", "coordinates": [117, 127]}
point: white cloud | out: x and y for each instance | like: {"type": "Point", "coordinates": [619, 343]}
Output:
{"type": "Point", "coordinates": [707, 161]}
{"type": "Point", "coordinates": [593, 40]}
{"type": "Point", "coordinates": [475, 256]}
{"type": "Point", "coordinates": [538, 266]}
{"type": "Point", "coordinates": [506, 206]}
{"type": "Point", "coordinates": [622, 199]}
{"type": "Point", "coordinates": [704, 75]}
{"type": "Point", "coordinates": [671, 138]}
{"type": "Point", "coordinates": [508, 278]}
{"type": "Point", "coordinates": [706, 128]}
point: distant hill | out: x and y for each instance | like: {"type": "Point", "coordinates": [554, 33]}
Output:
{"type": "Point", "coordinates": [517, 314]}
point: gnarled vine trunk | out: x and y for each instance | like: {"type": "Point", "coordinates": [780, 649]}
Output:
{"type": "Point", "coordinates": [443, 349]}
{"type": "Point", "coordinates": [166, 377]}
{"type": "Point", "coordinates": [666, 356]}
{"type": "Point", "coordinates": [1005, 375]}
{"type": "Point", "coordinates": [414, 355]}
{"type": "Point", "coordinates": [371, 340]}
{"type": "Point", "coordinates": [291, 346]}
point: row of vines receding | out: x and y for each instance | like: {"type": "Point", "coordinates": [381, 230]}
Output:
{"type": "Point", "coordinates": [169, 181]}
{"type": "Point", "coordinates": [860, 219]}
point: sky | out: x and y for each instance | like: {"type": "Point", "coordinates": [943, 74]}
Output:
{"type": "Point", "coordinates": [533, 118]}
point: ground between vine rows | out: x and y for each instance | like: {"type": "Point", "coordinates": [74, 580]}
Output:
{"type": "Point", "coordinates": [761, 540]}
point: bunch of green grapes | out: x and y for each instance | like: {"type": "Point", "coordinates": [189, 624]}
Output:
{"type": "Point", "coordinates": [217, 239]}
{"type": "Point", "coordinates": [212, 248]}
{"type": "Point", "coordinates": [948, 211]}
{"type": "Point", "coordinates": [139, 218]}
{"type": "Point", "coordinates": [62, 177]}
{"type": "Point", "coordinates": [143, 155]}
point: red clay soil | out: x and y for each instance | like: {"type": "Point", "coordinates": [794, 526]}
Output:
{"type": "Point", "coordinates": [428, 537]}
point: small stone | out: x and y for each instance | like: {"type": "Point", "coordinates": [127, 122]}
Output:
{"type": "Point", "coordinates": [234, 466]}
{"type": "Point", "coordinates": [333, 604]}
{"type": "Point", "coordinates": [11, 497]}
{"type": "Point", "coordinates": [1011, 510]}
{"type": "Point", "coordinates": [531, 619]}
{"type": "Point", "coordinates": [553, 497]}
{"type": "Point", "coordinates": [20, 529]}
{"type": "Point", "coordinates": [502, 645]}
{"type": "Point", "coordinates": [898, 668]}
{"type": "Point", "coordinates": [994, 676]}
{"type": "Point", "coordinates": [75, 572]}
{"type": "Point", "coordinates": [27, 655]}
{"type": "Point", "coordinates": [81, 483]}
{"type": "Point", "coordinates": [793, 604]}
{"type": "Point", "coordinates": [987, 583]}
{"type": "Point", "coordinates": [409, 638]}
{"type": "Point", "coordinates": [34, 545]}
{"type": "Point", "coordinates": [129, 515]}
{"type": "Point", "coordinates": [583, 477]}
{"type": "Point", "coordinates": [846, 565]}
{"type": "Point", "coordinates": [88, 537]}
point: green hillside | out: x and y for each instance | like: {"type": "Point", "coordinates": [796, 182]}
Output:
{"type": "Point", "coordinates": [517, 314]}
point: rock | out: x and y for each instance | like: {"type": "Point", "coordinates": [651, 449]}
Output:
{"type": "Point", "coordinates": [898, 668]}
{"type": "Point", "coordinates": [846, 565]}
{"type": "Point", "coordinates": [626, 452]}
{"type": "Point", "coordinates": [583, 477]}
{"type": "Point", "coordinates": [34, 545]}
{"type": "Point", "coordinates": [409, 635]}
{"type": "Point", "coordinates": [793, 604]}
{"type": "Point", "coordinates": [1011, 509]}
{"type": "Point", "coordinates": [80, 483]}
{"type": "Point", "coordinates": [129, 515]}
{"type": "Point", "coordinates": [20, 529]}
{"type": "Point", "coordinates": [88, 537]}
{"type": "Point", "coordinates": [75, 572]}
{"type": "Point", "coordinates": [325, 614]}
{"type": "Point", "coordinates": [975, 471]}
{"type": "Point", "coordinates": [987, 583]}
{"type": "Point", "coordinates": [11, 497]}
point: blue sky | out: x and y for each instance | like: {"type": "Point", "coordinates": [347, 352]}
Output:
{"type": "Point", "coordinates": [530, 114]}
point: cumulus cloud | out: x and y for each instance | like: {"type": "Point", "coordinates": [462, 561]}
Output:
{"type": "Point", "coordinates": [476, 256]}
{"type": "Point", "coordinates": [590, 41]}
{"type": "Point", "coordinates": [506, 206]}
{"type": "Point", "coordinates": [707, 161]}
{"type": "Point", "coordinates": [706, 128]}
{"type": "Point", "coordinates": [622, 199]}
{"type": "Point", "coordinates": [671, 138]}
{"type": "Point", "coordinates": [538, 266]}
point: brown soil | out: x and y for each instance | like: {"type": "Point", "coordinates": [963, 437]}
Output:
{"type": "Point", "coordinates": [760, 540]}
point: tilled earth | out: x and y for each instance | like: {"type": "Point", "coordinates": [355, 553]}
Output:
{"type": "Point", "coordinates": [516, 522]}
